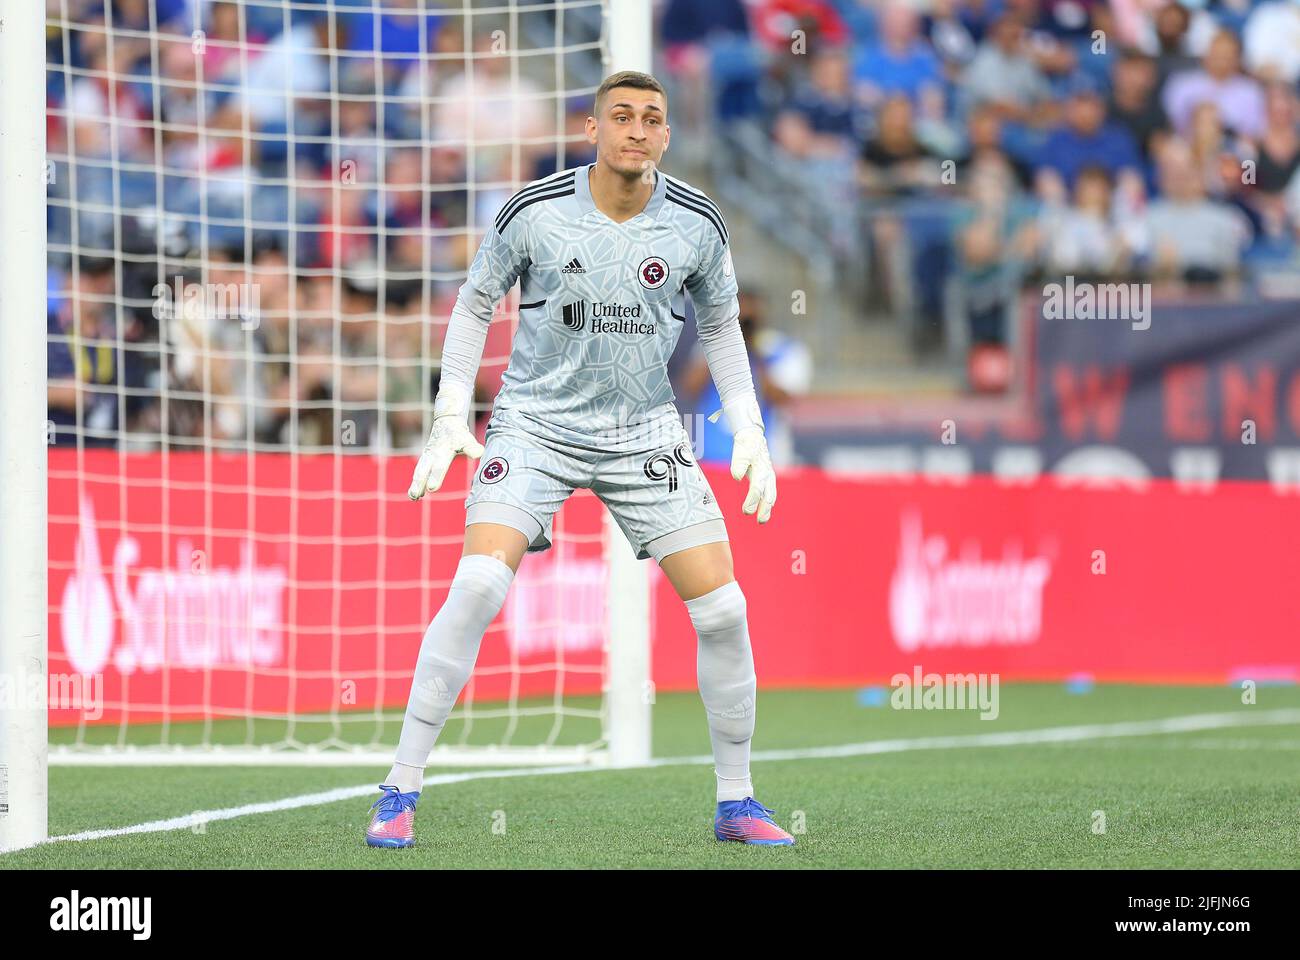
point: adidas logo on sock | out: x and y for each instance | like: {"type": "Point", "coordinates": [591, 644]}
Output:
{"type": "Point", "coordinates": [573, 266]}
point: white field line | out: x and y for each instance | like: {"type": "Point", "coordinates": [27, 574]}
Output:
{"type": "Point", "coordinates": [1076, 734]}
{"type": "Point", "coordinates": [1205, 743]}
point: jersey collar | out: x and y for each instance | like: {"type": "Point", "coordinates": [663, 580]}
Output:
{"type": "Point", "coordinates": [587, 205]}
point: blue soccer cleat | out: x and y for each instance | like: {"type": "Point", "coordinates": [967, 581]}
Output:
{"type": "Point", "coordinates": [393, 824]}
{"type": "Point", "coordinates": [748, 821]}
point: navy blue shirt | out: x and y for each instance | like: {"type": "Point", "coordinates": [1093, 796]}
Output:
{"type": "Point", "coordinates": [1112, 148]}
{"type": "Point", "coordinates": [93, 364]}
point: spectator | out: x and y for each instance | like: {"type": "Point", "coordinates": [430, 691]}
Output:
{"type": "Point", "coordinates": [356, 143]}
{"type": "Point", "coordinates": [402, 39]}
{"type": "Point", "coordinates": [1084, 239]}
{"type": "Point", "coordinates": [290, 74]}
{"type": "Point", "coordinates": [1005, 75]}
{"type": "Point", "coordinates": [779, 23]}
{"type": "Point", "coordinates": [573, 150]}
{"type": "Point", "coordinates": [403, 195]}
{"type": "Point", "coordinates": [346, 222]}
{"type": "Point", "coordinates": [900, 63]}
{"type": "Point", "coordinates": [1279, 148]}
{"type": "Point", "coordinates": [895, 164]}
{"type": "Point", "coordinates": [107, 113]}
{"type": "Point", "coordinates": [82, 357]}
{"type": "Point", "coordinates": [359, 374]}
{"type": "Point", "coordinates": [1272, 41]}
{"type": "Point", "coordinates": [506, 116]}
{"type": "Point", "coordinates": [1135, 100]}
{"type": "Point", "coordinates": [782, 370]}
{"type": "Point", "coordinates": [954, 30]}
{"type": "Point", "coordinates": [1277, 164]}
{"type": "Point", "coordinates": [1169, 31]}
{"type": "Point", "coordinates": [1239, 98]}
{"type": "Point", "coordinates": [687, 26]}
{"type": "Point", "coordinates": [1214, 154]}
{"type": "Point", "coordinates": [225, 49]}
{"type": "Point", "coordinates": [1291, 200]}
{"type": "Point", "coordinates": [689, 33]}
{"type": "Point", "coordinates": [236, 346]}
{"type": "Point", "coordinates": [995, 237]}
{"type": "Point", "coordinates": [984, 145]}
{"type": "Point", "coordinates": [1191, 237]}
{"type": "Point", "coordinates": [1087, 138]}
{"type": "Point", "coordinates": [275, 326]}
{"type": "Point", "coordinates": [894, 161]}
{"type": "Point", "coordinates": [821, 120]}
{"type": "Point", "coordinates": [1047, 37]}
{"type": "Point", "coordinates": [1069, 20]}
{"type": "Point", "coordinates": [408, 386]}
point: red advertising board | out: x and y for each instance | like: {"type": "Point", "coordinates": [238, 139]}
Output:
{"type": "Point", "coordinates": [227, 585]}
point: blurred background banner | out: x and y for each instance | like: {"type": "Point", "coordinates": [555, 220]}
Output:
{"type": "Point", "coordinates": [1207, 392]}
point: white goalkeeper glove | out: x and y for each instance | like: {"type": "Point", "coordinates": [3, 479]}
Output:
{"type": "Point", "coordinates": [449, 436]}
{"type": "Point", "coordinates": [750, 456]}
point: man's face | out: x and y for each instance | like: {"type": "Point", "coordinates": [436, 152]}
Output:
{"type": "Point", "coordinates": [630, 131]}
{"type": "Point", "coordinates": [1221, 57]}
{"type": "Point", "coordinates": [1134, 77]}
{"type": "Point", "coordinates": [1086, 113]}
{"type": "Point", "coordinates": [1007, 34]}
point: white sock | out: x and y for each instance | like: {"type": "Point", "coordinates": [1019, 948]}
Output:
{"type": "Point", "coordinates": [728, 687]}
{"type": "Point", "coordinates": [446, 661]}
{"type": "Point", "coordinates": [406, 778]}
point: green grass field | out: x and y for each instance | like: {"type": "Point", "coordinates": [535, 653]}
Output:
{"type": "Point", "coordinates": [1224, 796]}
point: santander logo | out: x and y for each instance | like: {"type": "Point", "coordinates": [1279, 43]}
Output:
{"type": "Point", "coordinates": [937, 599]}
{"type": "Point", "coordinates": [86, 616]}
{"type": "Point", "coordinates": [190, 617]}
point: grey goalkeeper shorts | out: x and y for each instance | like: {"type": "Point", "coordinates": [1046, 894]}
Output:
{"type": "Point", "coordinates": [654, 489]}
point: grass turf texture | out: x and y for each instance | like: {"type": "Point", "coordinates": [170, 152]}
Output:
{"type": "Point", "coordinates": [1217, 798]}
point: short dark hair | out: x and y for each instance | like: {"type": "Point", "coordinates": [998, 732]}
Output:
{"type": "Point", "coordinates": [96, 266]}
{"type": "Point", "coordinates": [628, 78]}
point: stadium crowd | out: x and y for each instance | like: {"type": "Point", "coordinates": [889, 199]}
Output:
{"type": "Point", "coordinates": [265, 144]}
{"type": "Point", "coordinates": [988, 142]}
{"type": "Point", "coordinates": [970, 146]}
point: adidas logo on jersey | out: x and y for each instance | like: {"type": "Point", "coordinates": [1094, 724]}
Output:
{"type": "Point", "coordinates": [573, 266]}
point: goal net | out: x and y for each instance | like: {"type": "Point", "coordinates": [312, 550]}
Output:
{"type": "Point", "coordinates": [258, 216]}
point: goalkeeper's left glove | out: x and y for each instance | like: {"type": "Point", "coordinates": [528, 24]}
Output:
{"type": "Point", "coordinates": [750, 457]}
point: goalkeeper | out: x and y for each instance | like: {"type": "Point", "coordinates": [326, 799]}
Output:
{"type": "Point", "coordinates": [605, 255]}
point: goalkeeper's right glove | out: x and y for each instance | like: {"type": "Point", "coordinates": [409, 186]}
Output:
{"type": "Point", "coordinates": [749, 455]}
{"type": "Point", "coordinates": [449, 436]}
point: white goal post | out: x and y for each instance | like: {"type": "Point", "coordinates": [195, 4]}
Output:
{"type": "Point", "coordinates": [23, 654]}
{"type": "Point", "coordinates": [630, 692]}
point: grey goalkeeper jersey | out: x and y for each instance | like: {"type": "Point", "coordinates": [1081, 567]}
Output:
{"type": "Point", "coordinates": [602, 305]}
